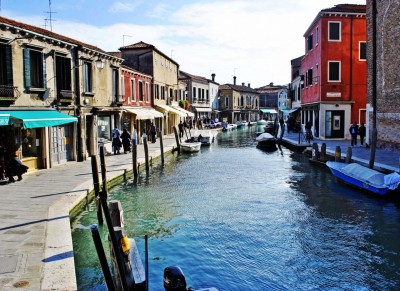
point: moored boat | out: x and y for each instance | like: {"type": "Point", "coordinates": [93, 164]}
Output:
{"type": "Point", "coordinates": [365, 178]}
{"type": "Point", "coordinates": [266, 141]}
{"type": "Point", "coordinates": [188, 146]}
{"type": "Point", "coordinates": [261, 122]}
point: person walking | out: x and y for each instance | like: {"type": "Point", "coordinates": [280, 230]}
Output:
{"type": "Point", "coordinates": [15, 168]}
{"type": "Point", "coordinates": [153, 132]}
{"type": "Point", "coordinates": [180, 126]}
{"type": "Point", "coordinates": [126, 140]}
{"type": "Point", "coordinates": [116, 141]}
{"type": "Point", "coordinates": [353, 132]}
{"type": "Point", "coordinates": [361, 133]}
{"type": "Point", "coordinates": [308, 127]}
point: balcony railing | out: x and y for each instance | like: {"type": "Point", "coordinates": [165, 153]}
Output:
{"type": "Point", "coordinates": [9, 93]}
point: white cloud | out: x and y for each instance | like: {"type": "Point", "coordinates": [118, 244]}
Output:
{"type": "Point", "coordinates": [122, 7]}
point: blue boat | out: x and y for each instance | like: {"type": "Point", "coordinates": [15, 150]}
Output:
{"type": "Point", "coordinates": [365, 178]}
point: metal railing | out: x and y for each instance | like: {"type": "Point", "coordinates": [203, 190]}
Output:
{"type": "Point", "coordinates": [9, 92]}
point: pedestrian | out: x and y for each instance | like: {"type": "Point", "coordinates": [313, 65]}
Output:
{"type": "Point", "coordinates": [190, 124]}
{"type": "Point", "coordinates": [15, 168]}
{"type": "Point", "coordinates": [126, 141]}
{"type": "Point", "coordinates": [281, 123]}
{"type": "Point", "coordinates": [144, 135]}
{"type": "Point", "coordinates": [180, 126]}
{"type": "Point", "coordinates": [153, 132]}
{"type": "Point", "coordinates": [308, 127]}
{"type": "Point", "coordinates": [353, 132]}
{"type": "Point", "coordinates": [361, 133]}
{"type": "Point", "coordinates": [116, 141]}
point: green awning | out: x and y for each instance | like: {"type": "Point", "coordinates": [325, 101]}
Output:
{"type": "Point", "coordinates": [39, 118]}
{"type": "Point", "coordinates": [271, 111]}
{"type": "Point", "coordinates": [4, 119]}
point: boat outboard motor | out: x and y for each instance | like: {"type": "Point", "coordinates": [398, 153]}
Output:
{"type": "Point", "coordinates": [174, 279]}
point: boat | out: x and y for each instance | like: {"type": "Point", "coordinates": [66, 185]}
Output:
{"type": "Point", "coordinates": [365, 178]}
{"type": "Point", "coordinates": [240, 124]}
{"type": "Point", "coordinates": [266, 141]}
{"type": "Point", "coordinates": [174, 280]}
{"type": "Point", "coordinates": [251, 123]}
{"type": "Point", "coordinates": [228, 127]}
{"type": "Point", "coordinates": [270, 127]}
{"type": "Point", "coordinates": [206, 138]}
{"type": "Point", "coordinates": [261, 122]}
{"type": "Point", "coordinates": [190, 146]}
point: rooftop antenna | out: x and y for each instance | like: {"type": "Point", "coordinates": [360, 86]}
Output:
{"type": "Point", "coordinates": [123, 38]}
{"type": "Point", "coordinates": [50, 19]}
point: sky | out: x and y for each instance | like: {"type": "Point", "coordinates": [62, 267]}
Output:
{"type": "Point", "coordinates": [252, 40]}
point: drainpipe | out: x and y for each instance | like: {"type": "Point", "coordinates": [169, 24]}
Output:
{"type": "Point", "coordinates": [374, 89]}
{"type": "Point", "coordinates": [78, 112]}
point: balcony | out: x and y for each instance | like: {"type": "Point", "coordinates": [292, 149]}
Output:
{"type": "Point", "coordinates": [9, 93]}
{"type": "Point", "coordinates": [65, 96]}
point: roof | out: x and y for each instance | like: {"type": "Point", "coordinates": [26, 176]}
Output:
{"type": "Point", "coordinates": [142, 45]}
{"type": "Point", "coordinates": [238, 88]}
{"type": "Point", "coordinates": [123, 66]}
{"type": "Point", "coordinates": [271, 88]}
{"type": "Point", "coordinates": [44, 32]}
{"type": "Point", "coordinates": [339, 10]}
{"type": "Point", "coordinates": [185, 76]}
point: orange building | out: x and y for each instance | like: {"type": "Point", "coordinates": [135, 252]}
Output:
{"type": "Point", "coordinates": [335, 71]}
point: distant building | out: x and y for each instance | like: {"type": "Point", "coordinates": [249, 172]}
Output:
{"type": "Point", "coordinates": [272, 99]}
{"type": "Point", "coordinates": [334, 69]}
{"type": "Point", "coordinates": [238, 103]}
{"type": "Point", "coordinates": [296, 88]}
{"type": "Point", "coordinates": [387, 72]}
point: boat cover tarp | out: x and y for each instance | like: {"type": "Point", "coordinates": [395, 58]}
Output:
{"type": "Point", "coordinates": [265, 136]}
{"type": "Point", "coordinates": [364, 174]}
{"type": "Point", "coordinates": [392, 181]}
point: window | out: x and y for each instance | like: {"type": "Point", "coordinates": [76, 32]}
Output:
{"type": "Point", "coordinates": [309, 77]}
{"type": "Point", "coordinates": [6, 70]}
{"type": "Point", "coordinates": [63, 74]}
{"type": "Point", "coordinates": [133, 90]}
{"type": "Point", "coordinates": [317, 35]}
{"type": "Point", "coordinates": [147, 92]}
{"type": "Point", "coordinates": [162, 93]}
{"type": "Point", "coordinates": [310, 42]}
{"type": "Point", "coordinates": [316, 73]}
{"type": "Point", "coordinates": [34, 69]}
{"type": "Point", "coordinates": [226, 102]}
{"type": "Point", "coordinates": [87, 77]}
{"type": "Point", "coordinates": [156, 92]}
{"type": "Point", "coordinates": [334, 31]}
{"type": "Point", "coordinates": [141, 93]}
{"type": "Point", "coordinates": [363, 51]}
{"type": "Point", "coordinates": [104, 127]}
{"type": "Point", "coordinates": [333, 71]}
{"type": "Point", "coordinates": [115, 85]}
{"type": "Point", "coordinates": [194, 92]}
{"type": "Point", "coordinates": [122, 87]}
{"type": "Point", "coordinates": [200, 94]}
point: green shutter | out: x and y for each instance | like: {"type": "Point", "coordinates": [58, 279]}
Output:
{"type": "Point", "coordinates": [27, 69]}
{"type": "Point", "coordinates": [44, 71]}
{"type": "Point", "coordinates": [9, 65]}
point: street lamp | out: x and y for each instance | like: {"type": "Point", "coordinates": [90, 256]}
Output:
{"type": "Point", "coordinates": [99, 63]}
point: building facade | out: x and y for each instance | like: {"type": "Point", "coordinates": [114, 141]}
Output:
{"type": "Point", "coordinates": [334, 70]}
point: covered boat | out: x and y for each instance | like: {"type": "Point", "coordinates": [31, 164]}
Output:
{"type": "Point", "coordinates": [266, 141]}
{"type": "Point", "coordinates": [365, 178]}
{"type": "Point", "coordinates": [189, 146]}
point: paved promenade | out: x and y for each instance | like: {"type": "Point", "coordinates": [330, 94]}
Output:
{"type": "Point", "coordinates": [35, 236]}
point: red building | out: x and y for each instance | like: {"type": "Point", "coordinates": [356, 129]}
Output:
{"type": "Point", "coordinates": [335, 71]}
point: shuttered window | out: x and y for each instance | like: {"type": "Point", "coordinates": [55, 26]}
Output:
{"type": "Point", "coordinates": [34, 69]}
{"type": "Point", "coordinates": [5, 65]}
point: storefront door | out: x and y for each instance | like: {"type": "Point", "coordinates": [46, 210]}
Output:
{"type": "Point", "coordinates": [61, 144]}
{"type": "Point", "coordinates": [334, 124]}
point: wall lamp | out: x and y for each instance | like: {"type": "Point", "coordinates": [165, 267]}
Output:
{"type": "Point", "coordinates": [100, 63]}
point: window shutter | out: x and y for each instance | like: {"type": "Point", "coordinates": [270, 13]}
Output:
{"type": "Point", "coordinates": [44, 71]}
{"type": "Point", "coordinates": [8, 65]}
{"type": "Point", "coordinates": [27, 69]}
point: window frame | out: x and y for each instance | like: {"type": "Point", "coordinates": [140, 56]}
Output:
{"type": "Point", "coordinates": [339, 71]}
{"type": "Point", "coordinates": [339, 32]}
{"type": "Point", "coordinates": [360, 43]}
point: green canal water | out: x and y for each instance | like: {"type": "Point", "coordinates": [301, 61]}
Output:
{"type": "Point", "coordinates": [237, 218]}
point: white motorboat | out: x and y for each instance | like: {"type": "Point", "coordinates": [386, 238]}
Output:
{"type": "Point", "coordinates": [266, 141]}
{"type": "Point", "coordinates": [191, 146]}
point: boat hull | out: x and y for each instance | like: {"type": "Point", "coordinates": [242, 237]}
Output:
{"type": "Point", "coordinates": [337, 170]}
{"type": "Point", "coordinates": [191, 147]}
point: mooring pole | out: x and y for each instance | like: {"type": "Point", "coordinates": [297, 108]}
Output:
{"type": "Point", "coordinates": [338, 153]}
{"type": "Point", "coordinates": [314, 151]}
{"type": "Point", "coordinates": [102, 257]}
{"type": "Point", "coordinates": [134, 158]}
{"type": "Point", "coordinates": [349, 153]}
{"type": "Point", "coordinates": [146, 153]}
{"type": "Point", "coordinates": [96, 185]}
{"type": "Point", "coordinates": [146, 262]}
{"type": "Point", "coordinates": [161, 146]}
{"type": "Point", "coordinates": [323, 152]}
{"type": "Point", "coordinates": [177, 140]}
{"type": "Point", "coordinates": [103, 169]}
{"type": "Point", "coordinates": [114, 242]}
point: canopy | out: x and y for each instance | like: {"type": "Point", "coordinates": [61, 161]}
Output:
{"type": "Point", "coordinates": [272, 111]}
{"type": "Point", "coordinates": [38, 118]}
{"type": "Point", "coordinates": [4, 119]}
{"type": "Point", "coordinates": [202, 109]}
{"type": "Point", "coordinates": [167, 108]}
{"type": "Point", "coordinates": [188, 113]}
{"type": "Point", "coordinates": [288, 111]}
{"type": "Point", "coordinates": [143, 113]}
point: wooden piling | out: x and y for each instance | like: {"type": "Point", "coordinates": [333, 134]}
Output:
{"type": "Point", "coordinates": [103, 169]}
{"type": "Point", "coordinates": [96, 186]}
{"type": "Point", "coordinates": [338, 154]}
{"type": "Point", "coordinates": [323, 152]}
{"type": "Point", "coordinates": [146, 154]}
{"type": "Point", "coordinates": [178, 147]}
{"type": "Point", "coordinates": [134, 158]}
{"type": "Point", "coordinates": [314, 151]}
{"type": "Point", "coordinates": [349, 154]}
{"type": "Point", "coordinates": [161, 146]}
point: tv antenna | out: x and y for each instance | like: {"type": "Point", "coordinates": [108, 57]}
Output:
{"type": "Point", "coordinates": [50, 18]}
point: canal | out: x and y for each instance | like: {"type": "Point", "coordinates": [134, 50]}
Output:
{"type": "Point", "coordinates": [237, 218]}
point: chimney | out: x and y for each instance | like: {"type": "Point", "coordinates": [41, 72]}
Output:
{"type": "Point", "coordinates": [271, 84]}
{"type": "Point", "coordinates": [234, 80]}
{"type": "Point", "coordinates": [213, 77]}
{"type": "Point", "coordinates": [248, 85]}
{"type": "Point", "coordinates": [243, 84]}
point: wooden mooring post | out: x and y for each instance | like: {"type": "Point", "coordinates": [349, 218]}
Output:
{"type": "Point", "coordinates": [161, 146]}
{"type": "Point", "coordinates": [96, 186]}
{"type": "Point", "coordinates": [349, 154]}
{"type": "Point", "coordinates": [314, 152]}
{"type": "Point", "coordinates": [103, 169]}
{"type": "Point", "coordinates": [338, 154]}
{"type": "Point", "coordinates": [323, 152]}
{"type": "Point", "coordinates": [146, 154]}
{"type": "Point", "coordinates": [178, 147]}
{"type": "Point", "coordinates": [134, 158]}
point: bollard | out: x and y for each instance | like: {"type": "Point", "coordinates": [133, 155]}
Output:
{"type": "Point", "coordinates": [161, 146]}
{"type": "Point", "coordinates": [103, 169]}
{"type": "Point", "coordinates": [96, 185]}
{"type": "Point", "coordinates": [178, 147]}
{"type": "Point", "coordinates": [348, 155]}
{"type": "Point", "coordinates": [102, 257]}
{"type": "Point", "coordinates": [134, 158]}
{"type": "Point", "coordinates": [146, 154]}
{"type": "Point", "coordinates": [338, 154]}
{"type": "Point", "coordinates": [124, 175]}
{"type": "Point", "coordinates": [314, 151]}
{"type": "Point", "coordinates": [323, 152]}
